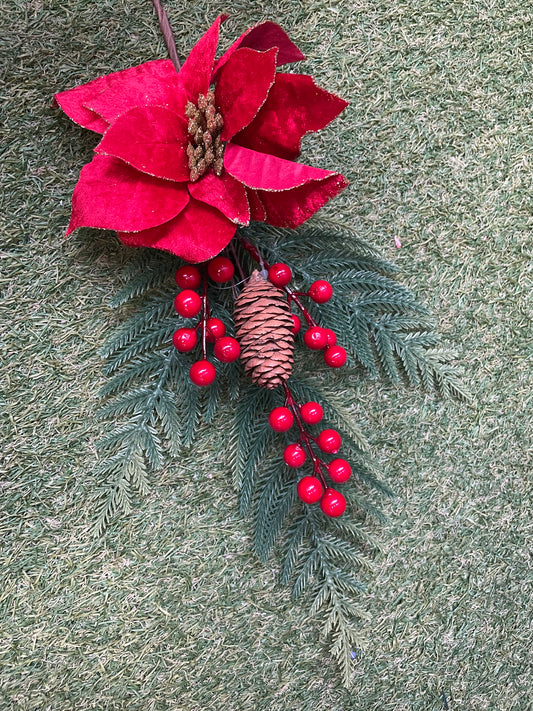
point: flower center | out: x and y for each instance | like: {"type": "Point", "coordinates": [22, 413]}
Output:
{"type": "Point", "coordinates": [205, 149]}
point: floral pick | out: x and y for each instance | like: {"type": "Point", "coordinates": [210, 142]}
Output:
{"type": "Point", "coordinates": [187, 156]}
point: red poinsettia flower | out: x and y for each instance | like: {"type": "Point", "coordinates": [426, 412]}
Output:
{"type": "Point", "coordinates": [180, 165]}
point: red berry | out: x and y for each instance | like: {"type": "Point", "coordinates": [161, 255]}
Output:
{"type": "Point", "coordinates": [187, 303]}
{"type": "Point", "coordinates": [227, 349]}
{"type": "Point", "coordinates": [185, 339]}
{"type": "Point", "coordinates": [333, 503]}
{"type": "Point", "coordinates": [296, 324]}
{"type": "Point", "coordinates": [188, 277]}
{"type": "Point", "coordinates": [311, 413]}
{"type": "Point", "coordinates": [320, 291]}
{"type": "Point", "coordinates": [309, 489]}
{"type": "Point", "coordinates": [220, 269]}
{"type": "Point", "coordinates": [202, 373]}
{"type": "Point", "coordinates": [281, 419]}
{"type": "Point", "coordinates": [214, 329]}
{"type": "Point", "coordinates": [315, 338]}
{"type": "Point", "coordinates": [280, 274]}
{"type": "Point", "coordinates": [329, 441]}
{"type": "Point", "coordinates": [339, 470]}
{"type": "Point", "coordinates": [331, 337]}
{"type": "Point", "coordinates": [335, 356]}
{"type": "Point", "coordinates": [294, 455]}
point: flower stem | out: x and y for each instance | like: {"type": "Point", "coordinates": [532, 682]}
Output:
{"type": "Point", "coordinates": [164, 24]}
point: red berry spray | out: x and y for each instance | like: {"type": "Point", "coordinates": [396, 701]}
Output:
{"type": "Point", "coordinates": [297, 324]}
{"type": "Point", "coordinates": [311, 413]}
{"type": "Point", "coordinates": [310, 489]}
{"type": "Point", "coordinates": [280, 274]}
{"type": "Point", "coordinates": [187, 303]}
{"type": "Point", "coordinates": [320, 291]}
{"type": "Point", "coordinates": [339, 470]}
{"type": "Point", "coordinates": [185, 339]}
{"type": "Point", "coordinates": [227, 349]}
{"type": "Point", "coordinates": [214, 329]}
{"type": "Point", "coordinates": [315, 338]}
{"type": "Point", "coordinates": [294, 455]}
{"type": "Point", "coordinates": [281, 419]}
{"type": "Point", "coordinates": [202, 373]}
{"type": "Point", "coordinates": [329, 441]}
{"type": "Point", "coordinates": [188, 277]}
{"type": "Point", "coordinates": [335, 356]}
{"type": "Point", "coordinates": [333, 503]}
{"type": "Point", "coordinates": [220, 269]}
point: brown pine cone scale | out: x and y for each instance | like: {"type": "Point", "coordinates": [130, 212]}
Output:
{"type": "Point", "coordinates": [263, 327]}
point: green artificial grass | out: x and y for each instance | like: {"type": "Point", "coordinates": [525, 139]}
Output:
{"type": "Point", "coordinates": [171, 610]}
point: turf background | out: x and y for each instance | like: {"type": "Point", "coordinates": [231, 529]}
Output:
{"type": "Point", "coordinates": [170, 610]}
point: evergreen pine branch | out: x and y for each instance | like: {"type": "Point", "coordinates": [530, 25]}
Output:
{"type": "Point", "coordinates": [149, 394]}
{"type": "Point", "coordinates": [137, 443]}
{"type": "Point", "coordinates": [250, 414]}
{"type": "Point", "coordinates": [135, 370]}
{"type": "Point", "coordinates": [148, 269]}
{"type": "Point", "coordinates": [351, 282]}
{"type": "Point", "coordinates": [169, 416]}
{"type": "Point", "coordinates": [276, 498]}
{"type": "Point", "coordinates": [157, 308]}
{"type": "Point", "coordinates": [294, 540]}
{"type": "Point", "coordinates": [384, 329]}
{"type": "Point", "coordinates": [262, 436]}
{"type": "Point", "coordinates": [190, 405]}
{"type": "Point", "coordinates": [159, 334]}
{"type": "Point", "coordinates": [379, 321]}
{"type": "Point", "coordinates": [326, 563]}
{"type": "Point", "coordinates": [314, 236]}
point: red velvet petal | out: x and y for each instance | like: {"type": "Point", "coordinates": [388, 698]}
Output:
{"type": "Point", "coordinates": [112, 195]}
{"type": "Point", "coordinates": [225, 193]}
{"type": "Point", "coordinates": [263, 36]}
{"type": "Point", "coordinates": [72, 101]}
{"type": "Point", "coordinates": [257, 210]}
{"type": "Point", "coordinates": [266, 172]}
{"type": "Point", "coordinates": [198, 233]}
{"type": "Point", "coordinates": [151, 139]}
{"type": "Point", "coordinates": [243, 86]}
{"type": "Point", "coordinates": [295, 106]}
{"type": "Point", "coordinates": [195, 74]}
{"type": "Point", "coordinates": [291, 208]}
{"type": "Point", "coordinates": [153, 83]}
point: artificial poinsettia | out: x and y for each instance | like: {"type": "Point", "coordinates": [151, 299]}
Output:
{"type": "Point", "coordinates": [181, 164]}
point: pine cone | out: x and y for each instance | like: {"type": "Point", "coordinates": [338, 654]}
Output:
{"type": "Point", "coordinates": [263, 327]}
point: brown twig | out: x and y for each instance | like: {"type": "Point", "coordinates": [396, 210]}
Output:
{"type": "Point", "coordinates": [164, 24]}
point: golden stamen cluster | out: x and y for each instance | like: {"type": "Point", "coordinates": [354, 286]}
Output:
{"type": "Point", "coordinates": [205, 149]}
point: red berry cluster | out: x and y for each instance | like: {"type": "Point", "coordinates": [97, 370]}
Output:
{"type": "Point", "coordinates": [188, 303]}
{"type": "Point", "coordinates": [316, 338]}
{"type": "Point", "coordinates": [314, 488]}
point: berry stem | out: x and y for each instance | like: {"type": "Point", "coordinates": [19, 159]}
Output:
{"type": "Point", "coordinates": [305, 437]}
{"type": "Point", "coordinates": [291, 295]}
{"type": "Point", "coordinates": [205, 316]}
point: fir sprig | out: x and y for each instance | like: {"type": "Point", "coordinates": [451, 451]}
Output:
{"type": "Point", "coordinates": [383, 327]}
{"type": "Point", "coordinates": [320, 553]}
{"type": "Point", "coordinates": [150, 402]}
{"type": "Point", "coordinates": [316, 556]}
